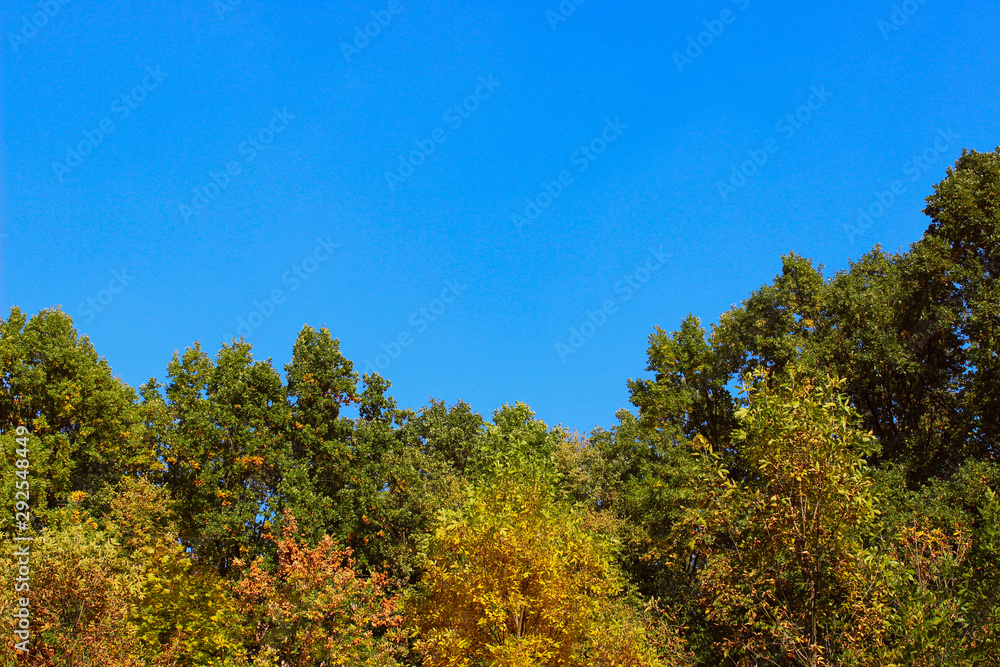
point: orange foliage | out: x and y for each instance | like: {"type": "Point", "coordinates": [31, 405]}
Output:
{"type": "Point", "coordinates": [315, 609]}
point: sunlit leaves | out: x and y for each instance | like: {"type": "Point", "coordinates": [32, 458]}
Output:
{"type": "Point", "coordinates": [315, 608]}
{"type": "Point", "coordinates": [515, 578]}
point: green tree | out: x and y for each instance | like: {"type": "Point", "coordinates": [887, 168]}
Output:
{"type": "Point", "coordinates": [224, 449]}
{"type": "Point", "coordinates": [322, 477]}
{"type": "Point", "coordinates": [787, 574]}
{"type": "Point", "coordinates": [893, 339]}
{"type": "Point", "coordinates": [449, 435]}
{"type": "Point", "coordinates": [84, 425]}
{"type": "Point", "coordinates": [688, 394]}
{"type": "Point", "coordinates": [965, 214]}
{"type": "Point", "coordinates": [517, 444]}
{"type": "Point", "coordinates": [647, 480]}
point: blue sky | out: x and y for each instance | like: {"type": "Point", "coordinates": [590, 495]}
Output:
{"type": "Point", "coordinates": [189, 167]}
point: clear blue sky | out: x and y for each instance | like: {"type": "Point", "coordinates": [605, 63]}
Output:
{"type": "Point", "coordinates": [122, 121]}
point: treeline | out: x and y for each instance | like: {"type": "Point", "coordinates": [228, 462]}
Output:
{"type": "Point", "coordinates": [839, 509]}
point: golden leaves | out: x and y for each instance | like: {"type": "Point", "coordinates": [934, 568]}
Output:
{"type": "Point", "coordinates": [515, 579]}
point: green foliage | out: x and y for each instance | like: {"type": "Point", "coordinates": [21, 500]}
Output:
{"type": "Point", "coordinates": [778, 323]}
{"type": "Point", "coordinates": [688, 395]}
{"type": "Point", "coordinates": [423, 474]}
{"type": "Point", "coordinates": [321, 478]}
{"type": "Point", "coordinates": [965, 214]}
{"type": "Point", "coordinates": [516, 445]}
{"type": "Point", "coordinates": [449, 435]}
{"type": "Point", "coordinates": [224, 449]}
{"type": "Point", "coordinates": [645, 480]}
{"type": "Point", "coordinates": [82, 420]}
{"type": "Point", "coordinates": [895, 344]}
{"type": "Point", "coordinates": [357, 484]}
{"type": "Point", "coordinates": [913, 334]}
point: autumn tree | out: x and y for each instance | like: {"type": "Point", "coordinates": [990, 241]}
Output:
{"type": "Point", "coordinates": [942, 581]}
{"type": "Point", "coordinates": [314, 608]}
{"type": "Point", "coordinates": [516, 578]}
{"type": "Point", "coordinates": [182, 613]}
{"type": "Point", "coordinates": [81, 589]}
{"type": "Point", "coordinates": [118, 590]}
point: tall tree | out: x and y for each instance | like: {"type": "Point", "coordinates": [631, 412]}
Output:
{"type": "Point", "coordinates": [965, 214]}
{"type": "Point", "coordinates": [787, 573]}
{"type": "Point", "coordinates": [323, 474]}
{"type": "Point", "coordinates": [688, 394]}
{"type": "Point", "coordinates": [224, 449]}
{"type": "Point", "coordinates": [83, 423]}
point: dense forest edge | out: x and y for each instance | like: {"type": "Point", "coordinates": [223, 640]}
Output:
{"type": "Point", "coordinates": [837, 508]}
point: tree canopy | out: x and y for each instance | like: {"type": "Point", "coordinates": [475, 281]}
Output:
{"type": "Point", "coordinates": [811, 481]}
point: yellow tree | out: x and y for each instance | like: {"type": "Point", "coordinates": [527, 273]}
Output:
{"type": "Point", "coordinates": [123, 594]}
{"type": "Point", "coordinates": [79, 595]}
{"type": "Point", "coordinates": [516, 578]}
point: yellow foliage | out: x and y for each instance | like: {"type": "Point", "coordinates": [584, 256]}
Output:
{"type": "Point", "coordinates": [516, 579]}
